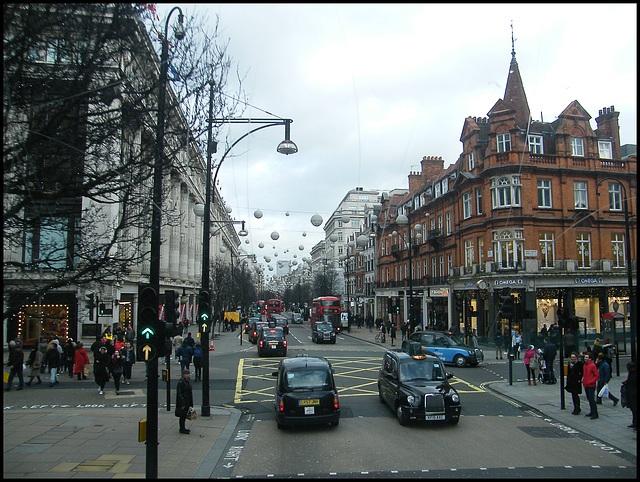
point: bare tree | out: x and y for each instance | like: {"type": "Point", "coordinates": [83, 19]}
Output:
{"type": "Point", "coordinates": [80, 85]}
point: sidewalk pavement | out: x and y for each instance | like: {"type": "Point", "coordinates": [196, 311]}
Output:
{"type": "Point", "coordinates": [70, 442]}
{"type": "Point", "coordinates": [611, 427]}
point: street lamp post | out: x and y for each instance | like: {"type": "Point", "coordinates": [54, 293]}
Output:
{"type": "Point", "coordinates": [285, 147]}
{"type": "Point", "coordinates": [154, 269]}
{"type": "Point", "coordinates": [627, 243]}
{"type": "Point", "coordinates": [403, 220]}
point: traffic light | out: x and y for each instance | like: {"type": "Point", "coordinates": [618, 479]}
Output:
{"type": "Point", "coordinates": [563, 317]}
{"type": "Point", "coordinates": [204, 310]}
{"type": "Point", "coordinates": [102, 308]}
{"type": "Point", "coordinates": [508, 307]}
{"type": "Point", "coordinates": [459, 303]}
{"type": "Point", "coordinates": [172, 313]}
{"type": "Point", "coordinates": [150, 329]}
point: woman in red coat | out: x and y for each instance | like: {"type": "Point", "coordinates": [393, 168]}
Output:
{"type": "Point", "coordinates": [79, 361]}
{"type": "Point", "coordinates": [590, 377]}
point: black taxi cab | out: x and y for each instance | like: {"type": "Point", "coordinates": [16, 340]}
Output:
{"type": "Point", "coordinates": [306, 392]}
{"type": "Point", "coordinates": [416, 387]}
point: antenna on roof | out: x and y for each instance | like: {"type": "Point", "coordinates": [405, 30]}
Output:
{"type": "Point", "coordinates": [513, 42]}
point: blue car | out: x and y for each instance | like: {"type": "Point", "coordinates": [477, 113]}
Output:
{"type": "Point", "coordinates": [448, 348]}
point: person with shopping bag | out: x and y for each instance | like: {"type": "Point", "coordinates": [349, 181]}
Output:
{"type": "Point", "coordinates": [604, 370]}
{"type": "Point", "coordinates": [184, 399]}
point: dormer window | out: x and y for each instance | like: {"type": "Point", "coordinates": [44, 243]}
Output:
{"type": "Point", "coordinates": [535, 144]}
{"type": "Point", "coordinates": [472, 161]}
{"type": "Point", "coordinates": [437, 188]}
{"type": "Point", "coordinates": [445, 185]}
{"type": "Point", "coordinates": [605, 150]}
{"type": "Point", "coordinates": [504, 142]}
{"type": "Point", "coordinates": [577, 146]}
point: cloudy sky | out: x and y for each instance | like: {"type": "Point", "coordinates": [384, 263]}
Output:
{"type": "Point", "coordinates": [372, 88]}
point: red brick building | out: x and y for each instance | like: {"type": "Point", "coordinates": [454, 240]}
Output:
{"type": "Point", "coordinates": [534, 209]}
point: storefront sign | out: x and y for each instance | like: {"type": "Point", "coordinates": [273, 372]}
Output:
{"type": "Point", "coordinates": [438, 291]}
{"type": "Point", "coordinates": [532, 253]}
{"type": "Point", "coordinates": [589, 281]}
{"type": "Point", "coordinates": [507, 282]}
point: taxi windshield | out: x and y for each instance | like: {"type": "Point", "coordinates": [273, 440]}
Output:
{"type": "Point", "coordinates": [324, 326]}
{"type": "Point", "coordinates": [308, 380]}
{"type": "Point", "coordinates": [273, 335]}
{"type": "Point", "coordinates": [422, 370]}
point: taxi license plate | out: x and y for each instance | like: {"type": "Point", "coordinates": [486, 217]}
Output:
{"type": "Point", "coordinates": [434, 417]}
{"type": "Point", "coordinates": [273, 345]}
{"type": "Point", "coordinates": [313, 401]}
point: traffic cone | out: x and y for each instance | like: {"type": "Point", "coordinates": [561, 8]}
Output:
{"type": "Point", "coordinates": [211, 345]}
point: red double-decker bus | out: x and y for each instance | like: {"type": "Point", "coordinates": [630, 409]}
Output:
{"type": "Point", "coordinates": [327, 309]}
{"type": "Point", "coordinates": [261, 307]}
{"type": "Point", "coordinates": [274, 307]}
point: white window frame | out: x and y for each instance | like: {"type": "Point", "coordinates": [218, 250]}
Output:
{"type": "Point", "coordinates": [472, 161]}
{"type": "Point", "coordinates": [436, 190]}
{"type": "Point", "coordinates": [503, 142]}
{"type": "Point", "coordinates": [440, 223]}
{"type": "Point", "coordinates": [481, 253]}
{"type": "Point", "coordinates": [615, 197]}
{"type": "Point", "coordinates": [508, 247]}
{"type": "Point", "coordinates": [583, 241]}
{"type": "Point", "coordinates": [448, 222]}
{"type": "Point", "coordinates": [468, 253]}
{"type": "Point", "coordinates": [544, 193]}
{"type": "Point", "coordinates": [577, 147]}
{"type": "Point", "coordinates": [466, 205]}
{"type": "Point", "coordinates": [449, 264]}
{"type": "Point", "coordinates": [618, 250]}
{"type": "Point", "coordinates": [547, 244]}
{"type": "Point", "coordinates": [505, 191]}
{"type": "Point", "coordinates": [605, 149]}
{"type": "Point", "coordinates": [580, 195]}
{"type": "Point", "coordinates": [433, 267]}
{"type": "Point", "coordinates": [536, 146]}
{"type": "Point", "coordinates": [445, 185]}
{"type": "Point", "coordinates": [433, 223]}
{"type": "Point", "coordinates": [478, 200]}
{"type": "Point", "coordinates": [441, 266]}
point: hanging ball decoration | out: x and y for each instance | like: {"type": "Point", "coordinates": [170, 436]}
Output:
{"type": "Point", "coordinates": [316, 220]}
{"type": "Point", "coordinates": [287, 213]}
{"type": "Point", "coordinates": [275, 235]}
{"type": "Point", "coordinates": [246, 241]}
{"type": "Point", "coordinates": [333, 238]}
{"type": "Point", "coordinates": [301, 248]}
{"type": "Point", "coordinates": [261, 245]}
{"type": "Point", "coordinates": [267, 259]}
{"type": "Point", "coordinates": [304, 233]}
{"type": "Point", "coordinates": [294, 262]}
{"type": "Point", "coordinates": [270, 268]}
{"type": "Point", "coordinates": [257, 213]}
{"type": "Point", "coordinates": [223, 249]}
{"type": "Point", "coordinates": [228, 208]}
{"type": "Point", "coordinates": [275, 254]}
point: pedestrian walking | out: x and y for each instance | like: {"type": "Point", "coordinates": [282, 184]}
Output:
{"type": "Point", "coordinates": [129, 335]}
{"type": "Point", "coordinates": [574, 381]}
{"type": "Point", "coordinates": [177, 343]}
{"type": "Point", "coordinates": [404, 329]}
{"type": "Point", "coordinates": [197, 359]}
{"type": "Point", "coordinates": [34, 362]}
{"type": "Point", "coordinates": [52, 358]}
{"type": "Point", "coordinates": [393, 333]}
{"type": "Point", "coordinates": [15, 364]}
{"type": "Point", "coordinates": [101, 368]}
{"type": "Point", "coordinates": [184, 400]}
{"type": "Point", "coordinates": [129, 355]}
{"type": "Point", "coordinates": [604, 370]}
{"type": "Point", "coordinates": [590, 378]}
{"type": "Point", "coordinates": [630, 391]}
{"type": "Point", "coordinates": [549, 352]}
{"type": "Point", "coordinates": [69, 351]}
{"type": "Point", "coordinates": [42, 348]}
{"type": "Point", "coordinates": [185, 352]}
{"type": "Point", "coordinates": [190, 341]}
{"type": "Point", "coordinates": [497, 338]}
{"type": "Point", "coordinates": [531, 363]}
{"type": "Point", "coordinates": [517, 343]}
{"type": "Point", "coordinates": [116, 368]}
{"type": "Point", "coordinates": [80, 360]}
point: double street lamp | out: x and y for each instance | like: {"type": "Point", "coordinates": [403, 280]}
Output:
{"type": "Point", "coordinates": [403, 220]}
{"type": "Point", "coordinates": [285, 147]}
{"type": "Point", "coordinates": [627, 242]}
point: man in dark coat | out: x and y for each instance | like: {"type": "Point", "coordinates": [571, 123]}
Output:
{"type": "Point", "coordinates": [184, 400]}
{"type": "Point", "coordinates": [574, 381]}
{"type": "Point", "coordinates": [549, 354]}
{"type": "Point", "coordinates": [101, 368]}
{"type": "Point", "coordinates": [16, 360]}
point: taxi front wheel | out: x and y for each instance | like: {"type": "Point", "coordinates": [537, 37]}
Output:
{"type": "Point", "coordinates": [459, 361]}
{"type": "Point", "coordinates": [402, 418]}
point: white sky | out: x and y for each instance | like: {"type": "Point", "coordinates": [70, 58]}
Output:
{"type": "Point", "coordinates": [372, 88]}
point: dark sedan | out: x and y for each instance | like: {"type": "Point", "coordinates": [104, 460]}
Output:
{"type": "Point", "coordinates": [271, 341]}
{"type": "Point", "coordinates": [323, 332]}
{"type": "Point", "coordinates": [417, 388]}
{"type": "Point", "coordinates": [254, 330]}
{"type": "Point", "coordinates": [306, 392]}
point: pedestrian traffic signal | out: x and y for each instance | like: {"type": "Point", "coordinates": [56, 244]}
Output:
{"type": "Point", "coordinates": [204, 310]}
{"type": "Point", "coordinates": [459, 303]}
{"type": "Point", "coordinates": [508, 307]}
{"type": "Point", "coordinates": [563, 317]}
{"type": "Point", "coordinates": [172, 313]}
{"type": "Point", "coordinates": [150, 329]}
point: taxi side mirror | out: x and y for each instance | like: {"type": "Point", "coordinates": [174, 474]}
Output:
{"type": "Point", "coordinates": [449, 375]}
{"type": "Point", "coordinates": [275, 374]}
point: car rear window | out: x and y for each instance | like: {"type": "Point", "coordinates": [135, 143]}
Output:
{"type": "Point", "coordinates": [272, 335]}
{"type": "Point", "coordinates": [308, 379]}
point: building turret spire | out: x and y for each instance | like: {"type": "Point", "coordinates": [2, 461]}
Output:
{"type": "Point", "coordinates": [514, 92]}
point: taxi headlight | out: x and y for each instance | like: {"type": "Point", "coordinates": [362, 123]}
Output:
{"type": "Point", "coordinates": [454, 396]}
{"type": "Point", "coordinates": [410, 399]}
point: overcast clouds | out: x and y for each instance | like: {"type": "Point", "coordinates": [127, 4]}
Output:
{"type": "Point", "coordinates": [374, 88]}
